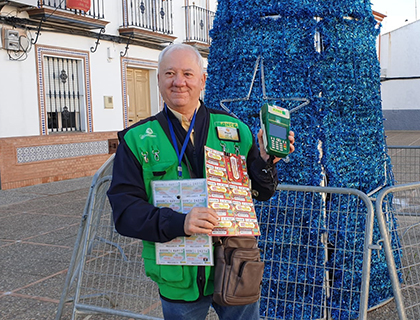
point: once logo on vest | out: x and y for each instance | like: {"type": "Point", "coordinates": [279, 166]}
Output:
{"type": "Point", "coordinates": [149, 133]}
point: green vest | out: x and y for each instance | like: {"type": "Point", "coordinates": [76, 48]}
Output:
{"type": "Point", "coordinates": [156, 154]}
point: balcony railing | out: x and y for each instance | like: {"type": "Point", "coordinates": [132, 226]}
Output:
{"type": "Point", "coordinates": [152, 15]}
{"type": "Point", "coordinates": [198, 23]}
{"type": "Point", "coordinates": [96, 9]}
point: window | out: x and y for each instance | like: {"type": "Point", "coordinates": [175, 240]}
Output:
{"type": "Point", "coordinates": [65, 98]}
{"type": "Point", "coordinates": [63, 94]}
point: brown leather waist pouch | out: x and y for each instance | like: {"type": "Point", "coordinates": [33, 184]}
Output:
{"type": "Point", "coordinates": [238, 271]}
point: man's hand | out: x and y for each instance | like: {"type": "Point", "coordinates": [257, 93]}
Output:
{"type": "Point", "coordinates": [200, 220]}
{"type": "Point", "coordinates": [264, 154]}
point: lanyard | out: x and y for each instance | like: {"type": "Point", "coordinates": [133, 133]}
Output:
{"type": "Point", "coordinates": [184, 145]}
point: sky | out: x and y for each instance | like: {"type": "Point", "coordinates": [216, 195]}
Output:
{"type": "Point", "coordinates": [399, 12]}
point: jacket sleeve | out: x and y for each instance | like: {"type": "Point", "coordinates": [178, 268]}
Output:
{"type": "Point", "coordinates": [133, 215]}
{"type": "Point", "coordinates": [263, 175]}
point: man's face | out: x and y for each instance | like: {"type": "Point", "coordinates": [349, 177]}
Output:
{"type": "Point", "coordinates": [181, 80]}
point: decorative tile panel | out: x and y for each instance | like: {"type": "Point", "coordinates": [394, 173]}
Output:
{"type": "Point", "coordinates": [60, 151]}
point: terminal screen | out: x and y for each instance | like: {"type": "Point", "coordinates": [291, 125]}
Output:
{"type": "Point", "coordinates": [278, 131]}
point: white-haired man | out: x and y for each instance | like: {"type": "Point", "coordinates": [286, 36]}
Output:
{"type": "Point", "coordinates": [147, 152]}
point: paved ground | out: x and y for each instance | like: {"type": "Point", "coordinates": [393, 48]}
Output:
{"type": "Point", "coordinates": [38, 227]}
{"type": "Point", "coordinates": [403, 138]}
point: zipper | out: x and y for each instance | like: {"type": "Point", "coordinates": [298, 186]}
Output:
{"type": "Point", "coordinates": [201, 280]}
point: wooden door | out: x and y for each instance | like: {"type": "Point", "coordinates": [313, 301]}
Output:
{"type": "Point", "coordinates": [138, 89]}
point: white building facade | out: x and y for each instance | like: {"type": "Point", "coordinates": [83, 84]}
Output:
{"type": "Point", "coordinates": [400, 77]}
{"type": "Point", "coordinates": [71, 79]}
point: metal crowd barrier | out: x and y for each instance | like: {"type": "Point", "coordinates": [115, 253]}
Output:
{"type": "Point", "coordinates": [405, 163]}
{"type": "Point", "coordinates": [316, 244]}
{"type": "Point", "coordinates": [75, 263]}
{"type": "Point", "coordinates": [106, 278]}
{"type": "Point", "coordinates": [403, 201]}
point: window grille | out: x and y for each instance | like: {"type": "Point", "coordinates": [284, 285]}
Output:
{"type": "Point", "coordinates": [63, 91]}
{"type": "Point", "coordinates": [96, 7]}
{"type": "Point", "coordinates": [154, 15]}
{"type": "Point", "coordinates": [198, 23]}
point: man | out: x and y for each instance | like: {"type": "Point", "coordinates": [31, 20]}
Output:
{"type": "Point", "coordinates": [170, 145]}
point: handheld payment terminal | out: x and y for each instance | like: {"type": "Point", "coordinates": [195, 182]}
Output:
{"type": "Point", "coordinates": [275, 123]}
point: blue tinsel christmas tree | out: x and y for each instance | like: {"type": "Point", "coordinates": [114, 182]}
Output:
{"type": "Point", "coordinates": [324, 51]}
